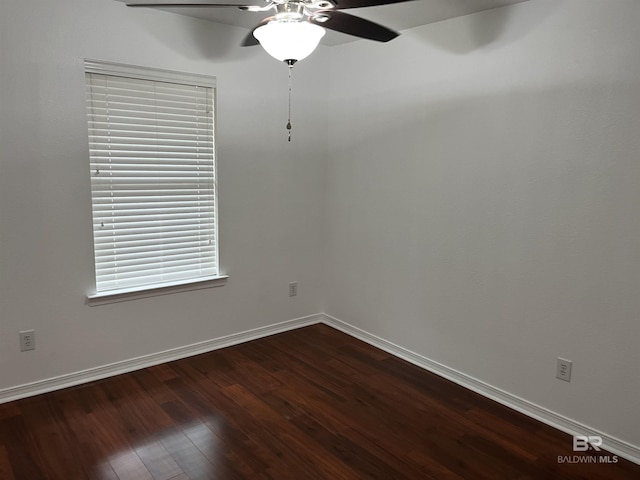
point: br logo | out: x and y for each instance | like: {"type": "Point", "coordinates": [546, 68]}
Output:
{"type": "Point", "coordinates": [582, 443]}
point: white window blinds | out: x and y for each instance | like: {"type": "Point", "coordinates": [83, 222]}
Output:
{"type": "Point", "coordinates": [152, 177]}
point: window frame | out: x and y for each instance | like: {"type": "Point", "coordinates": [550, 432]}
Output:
{"type": "Point", "coordinates": [143, 291]}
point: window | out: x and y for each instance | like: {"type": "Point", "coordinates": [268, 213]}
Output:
{"type": "Point", "coordinates": [153, 182]}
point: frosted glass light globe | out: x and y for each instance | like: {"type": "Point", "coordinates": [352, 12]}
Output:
{"type": "Point", "coordinates": [289, 41]}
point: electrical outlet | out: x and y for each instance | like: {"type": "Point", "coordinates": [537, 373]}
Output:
{"type": "Point", "coordinates": [27, 340]}
{"type": "Point", "coordinates": [563, 369]}
{"type": "Point", "coordinates": [293, 289]}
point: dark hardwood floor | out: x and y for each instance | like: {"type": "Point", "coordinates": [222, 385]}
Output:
{"type": "Point", "coordinates": [308, 404]}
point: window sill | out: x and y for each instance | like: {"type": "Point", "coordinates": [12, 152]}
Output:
{"type": "Point", "coordinates": [115, 296]}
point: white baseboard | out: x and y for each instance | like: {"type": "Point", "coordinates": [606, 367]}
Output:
{"type": "Point", "coordinates": [567, 425]}
{"type": "Point", "coordinates": [125, 366]}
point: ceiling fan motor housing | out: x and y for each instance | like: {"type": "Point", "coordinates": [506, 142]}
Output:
{"type": "Point", "coordinates": [290, 12]}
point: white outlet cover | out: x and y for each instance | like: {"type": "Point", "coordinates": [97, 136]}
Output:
{"type": "Point", "coordinates": [563, 369]}
{"type": "Point", "coordinates": [27, 340]}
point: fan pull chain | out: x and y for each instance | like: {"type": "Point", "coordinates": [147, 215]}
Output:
{"type": "Point", "coordinates": [289, 119]}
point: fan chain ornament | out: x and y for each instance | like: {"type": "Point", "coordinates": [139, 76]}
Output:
{"type": "Point", "coordinates": [289, 118]}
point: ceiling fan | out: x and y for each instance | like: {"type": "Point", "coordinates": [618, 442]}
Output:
{"type": "Point", "coordinates": [297, 26]}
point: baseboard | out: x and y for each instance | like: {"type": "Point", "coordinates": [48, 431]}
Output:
{"type": "Point", "coordinates": [565, 424]}
{"type": "Point", "coordinates": [130, 365]}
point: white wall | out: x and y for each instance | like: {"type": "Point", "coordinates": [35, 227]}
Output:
{"type": "Point", "coordinates": [483, 188]}
{"type": "Point", "coordinates": [270, 202]}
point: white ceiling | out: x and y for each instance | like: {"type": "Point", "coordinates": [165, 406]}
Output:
{"type": "Point", "coordinates": [397, 17]}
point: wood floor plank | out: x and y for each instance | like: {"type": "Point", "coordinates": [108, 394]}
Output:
{"type": "Point", "coordinates": [358, 458]}
{"type": "Point", "coordinates": [192, 462]}
{"type": "Point", "coordinates": [162, 372]}
{"type": "Point", "coordinates": [181, 477]}
{"type": "Point", "coordinates": [159, 462]}
{"type": "Point", "coordinates": [6, 472]}
{"type": "Point", "coordinates": [20, 448]}
{"type": "Point", "coordinates": [263, 448]}
{"type": "Point", "coordinates": [221, 423]}
{"type": "Point", "coordinates": [11, 409]}
{"type": "Point", "coordinates": [128, 465]}
{"type": "Point", "coordinates": [59, 462]}
{"type": "Point", "coordinates": [311, 461]}
{"type": "Point", "coordinates": [90, 451]}
{"type": "Point", "coordinates": [312, 403]}
{"type": "Point", "coordinates": [217, 452]}
{"type": "Point", "coordinates": [103, 421]}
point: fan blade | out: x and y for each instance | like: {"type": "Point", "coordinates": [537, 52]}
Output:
{"type": "Point", "coordinates": [250, 40]}
{"type": "Point", "coordinates": [180, 5]}
{"type": "Point", "coordinates": [352, 25]}
{"type": "Point", "coordinates": [344, 4]}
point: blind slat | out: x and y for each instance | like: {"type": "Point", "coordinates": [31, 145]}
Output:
{"type": "Point", "coordinates": [135, 265]}
{"type": "Point", "coordinates": [122, 237]}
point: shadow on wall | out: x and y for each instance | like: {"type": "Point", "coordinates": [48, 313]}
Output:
{"type": "Point", "coordinates": [186, 35]}
{"type": "Point", "coordinates": [481, 30]}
